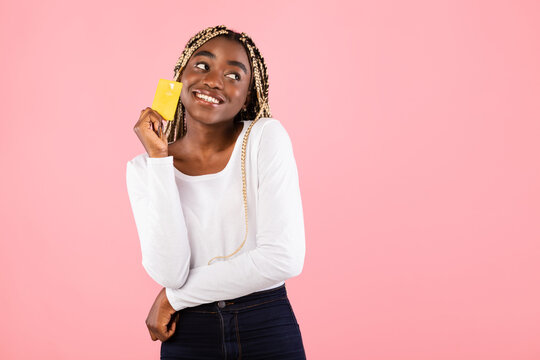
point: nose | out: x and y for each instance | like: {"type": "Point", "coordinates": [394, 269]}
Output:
{"type": "Point", "coordinates": [213, 80]}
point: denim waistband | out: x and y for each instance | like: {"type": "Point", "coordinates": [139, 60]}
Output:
{"type": "Point", "coordinates": [242, 302]}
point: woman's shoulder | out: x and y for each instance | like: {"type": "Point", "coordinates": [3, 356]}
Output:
{"type": "Point", "coordinates": [261, 123]}
{"type": "Point", "coordinates": [269, 136]}
{"type": "Point", "coordinates": [268, 127]}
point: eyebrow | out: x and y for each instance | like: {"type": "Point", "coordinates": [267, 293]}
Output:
{"type": "Point", "coordinates": [230, 62]}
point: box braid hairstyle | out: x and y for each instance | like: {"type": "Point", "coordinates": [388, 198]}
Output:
{"type": "Point", "coordinates": [257, 105]}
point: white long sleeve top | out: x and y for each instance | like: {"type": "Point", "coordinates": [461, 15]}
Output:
{"type": "Point", "coordinates": [183, 221]}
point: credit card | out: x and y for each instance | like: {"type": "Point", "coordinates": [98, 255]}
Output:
{"type": "Point", "coordinates": [166, 98]}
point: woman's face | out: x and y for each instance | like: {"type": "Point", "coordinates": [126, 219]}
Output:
{"type": "Point", "coordinates": [219, 69]}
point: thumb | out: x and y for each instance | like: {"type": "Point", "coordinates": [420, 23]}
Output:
{"type": "Point", "coordinates": [173, 325]}
{"type": "Point", "coordinates": [162, 135]}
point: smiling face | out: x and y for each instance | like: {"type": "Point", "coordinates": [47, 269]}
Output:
{"type": "Point", "coordinates": [216, 81]}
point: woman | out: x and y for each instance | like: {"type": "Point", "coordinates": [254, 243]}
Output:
{"type": "Point", "coordinates": [194, 193]}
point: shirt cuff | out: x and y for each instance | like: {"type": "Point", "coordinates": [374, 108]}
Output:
{"type": "Point", "coordinates": [159, 160]}
{"type": "Point", "coordinates": [170, 297]}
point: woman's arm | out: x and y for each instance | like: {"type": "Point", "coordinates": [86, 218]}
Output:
{"type": "Point", "coordinates": [159, 218]}
{"type": "Point", "coordinates": [280, 237]}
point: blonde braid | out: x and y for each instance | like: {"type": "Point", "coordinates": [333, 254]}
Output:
{"type": "Point", "coordinates": [257, 106]}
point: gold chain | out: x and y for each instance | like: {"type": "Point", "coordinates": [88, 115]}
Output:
{"type": "Point", "coordinates": [244, 187]}
{"type": "Point", "coordinates": [206, 35]}
{"type": "Point", "coordinates": [244, 192]}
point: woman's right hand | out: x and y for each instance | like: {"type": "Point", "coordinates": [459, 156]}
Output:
{"type": "Point", "coordinates": [149, 129]}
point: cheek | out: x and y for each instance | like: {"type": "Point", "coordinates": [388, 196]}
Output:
{"type": "Point", "coordinates": [188, 77]}
{"type": "Point", "coordinates": [187, 80]}
{"type": "Point", "coordinates": [240, 95]}
{"type": "Point", "coordinates": [184, 95]}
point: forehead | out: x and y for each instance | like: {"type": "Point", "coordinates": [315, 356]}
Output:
{"type": "Point", "coordinates": [225, 49]}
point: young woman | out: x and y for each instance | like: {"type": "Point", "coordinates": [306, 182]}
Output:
{"type": "Point", "coordinates": [217, 206]}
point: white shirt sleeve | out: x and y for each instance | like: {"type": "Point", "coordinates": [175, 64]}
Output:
{"type": "Point", "coordinates": [159, 218]}
{"type": "Point", "coordinates": [280, 237]}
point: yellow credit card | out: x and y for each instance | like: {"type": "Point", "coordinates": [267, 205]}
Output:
{"type": "Point", "coordinates": [166, 98]}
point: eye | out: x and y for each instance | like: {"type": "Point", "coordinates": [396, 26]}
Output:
{"type": "Point", "coordinates": [200, 63]}
{"type": "Point", "coordinates": [236, 76]}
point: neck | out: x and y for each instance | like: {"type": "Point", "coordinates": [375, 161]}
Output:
{"type": "Point", "coordinates": [207, 139]}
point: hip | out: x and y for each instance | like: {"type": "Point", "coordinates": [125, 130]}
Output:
{"type": "Point", "coordinates": [258, 325]}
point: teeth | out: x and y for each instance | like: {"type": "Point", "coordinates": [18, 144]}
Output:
{"type": "Point", "coordinates": [207, 98]}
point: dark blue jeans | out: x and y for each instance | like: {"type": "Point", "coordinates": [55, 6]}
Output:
{"type": "Point", "coordinates": [261, 325]}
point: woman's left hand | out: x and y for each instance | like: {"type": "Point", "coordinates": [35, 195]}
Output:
{"type": "Point", "coordinates": [160, 320]}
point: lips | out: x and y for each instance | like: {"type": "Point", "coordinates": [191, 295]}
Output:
{"type": "Point", "coordinates": [213, 94]}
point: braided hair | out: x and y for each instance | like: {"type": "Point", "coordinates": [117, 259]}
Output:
{"type": "Point", "coordinates": [257, 104]}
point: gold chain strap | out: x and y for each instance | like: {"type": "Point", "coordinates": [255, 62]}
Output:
{"type": "Point", "coordinates": [244, 187]}
{"type": "Point", "coordinates": [244, 192]}
{"type": "Point", "coordinates": [206, 35]}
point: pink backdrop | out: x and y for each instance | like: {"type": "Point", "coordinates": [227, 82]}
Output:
{"type": "Point", "coordinates": [415, 126]}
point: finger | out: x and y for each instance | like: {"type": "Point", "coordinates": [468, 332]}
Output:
{"type": "Point", "coordinates": [155, 122]}
{"type": "Point", "coordinates": [162, 129]}
{"type": "Point", "coordinates": [152, 336]}
{"type": "Point", "coordinates": [173, 327]}
{"type": "Point", "coordinates": [163, 333]}
{"type": "Point", "coordinates": [170, 327]}
{"type": "Point", "coordinates": [143, 114]}
{"type": "Point", "coordinates": [148, 123]}
{"type": "Point", "coordinates": [144, 121]}
{"type": "Point", "coordinates": [173, 324]}
{"type": "Point", "coordinates": [157, 333]}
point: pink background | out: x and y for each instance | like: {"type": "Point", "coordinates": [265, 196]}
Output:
{"type": "Point", "coordinates": [415, 126]}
